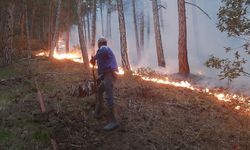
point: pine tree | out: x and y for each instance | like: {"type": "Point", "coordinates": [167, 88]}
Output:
{"type": "Point", "coordinates": [158, 40]}
{"type": "Point", "coordinates": [123, 39]}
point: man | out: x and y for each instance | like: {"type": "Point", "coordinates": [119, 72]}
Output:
{"type": "Point", "coordinates": [107, 66]}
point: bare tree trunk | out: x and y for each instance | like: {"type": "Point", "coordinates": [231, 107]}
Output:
{"type": "Point", "coordinates": [101, 5]}
{"type": "Point", "coordinates": [158, 41]}
{"type": "Point", "coordinates": [136, 31]}
{"type": "Point", "coordinates": [1, 18]}
{"type": "Point", "coordinates": [81, 36]}
{"type": "Point", "coordinates": [27, 32]}
{"type": "Point", "coordinates": [148, 27]}
{"type": "Point", "coordinates": [85, 29]}
{"type": "Point", "coordinates": [108, 26]}
{"type": "Point", "coordinates": [32, 21]}
{"type": "Point", "coordinates": [22, 22]}
{"type": "Point", "coordinates": [88, 26]}
{"type": "Point", "coordinates": [56, 33]}
{"type": "Point", "coordinates": [68, 34]}
{"type": "Point", "coordinates": [93, 38]}
{"type": "Point", "coordinates": [142, 25]}
{"type": "Point", "coordinates": [123, 39]}
{"type": "Point", "coordinates": [182, 43]}
{"type": "Point", "coordinates": [44, 32]}
{"type": "Point", "coordinates": [161, 16]}
{"type": "Point", "coordinates": [50, 25]}
{"type": "Point", "coordinates": [8, 38]}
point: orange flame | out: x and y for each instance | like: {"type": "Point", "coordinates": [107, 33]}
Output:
{"type": "Point", "coordinates": [72, 56]}
{"type": "Point", "coordinates": [226, 97]}
{"type": "Point", "coordinates": [42, 54]}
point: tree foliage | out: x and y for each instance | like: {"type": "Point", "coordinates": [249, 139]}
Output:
{"type": "Point", "coordinates": [233, 18]}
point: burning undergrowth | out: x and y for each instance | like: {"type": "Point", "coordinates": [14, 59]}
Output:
{"type": "Point", "coordinates": [152, 115]}
{"type": "Point", "coordinates": [190, 82]}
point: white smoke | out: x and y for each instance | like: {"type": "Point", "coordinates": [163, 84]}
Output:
{"type": "Point", "coordinates": [204, 38]}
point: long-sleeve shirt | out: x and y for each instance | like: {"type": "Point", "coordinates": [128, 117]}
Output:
{"type": "Point", "coordinates": [106, 60]}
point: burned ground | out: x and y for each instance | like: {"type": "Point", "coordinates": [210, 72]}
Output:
{"type": "Point", "coordinates": [152, 116]}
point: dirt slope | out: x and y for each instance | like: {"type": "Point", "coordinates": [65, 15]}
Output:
{"type": "Point", "coordinates": [152, 116]}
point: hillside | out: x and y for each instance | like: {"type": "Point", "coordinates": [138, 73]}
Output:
{"type": "Point", "coordinates": [152, 116]}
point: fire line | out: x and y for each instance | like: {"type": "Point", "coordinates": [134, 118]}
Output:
{"type": "Point", "coordinates": [226, 97]}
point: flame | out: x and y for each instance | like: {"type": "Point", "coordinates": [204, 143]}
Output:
{"type": "Point", "coordinates": [226, 97]}
{"type": "Point", "coordinates": [42, 54]}
{"type": "Point", "coordinates": [120, 71]}
{"type": "Point", "coordinates": [72, 56]}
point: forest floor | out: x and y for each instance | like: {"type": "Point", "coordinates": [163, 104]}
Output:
{"type": "Point", "coordinates": [152, 116]}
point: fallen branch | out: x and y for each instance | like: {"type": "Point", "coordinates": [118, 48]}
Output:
{"type": "Point", "coordinates": [40, 97]}
{"type": "Point", "coordinates": [54, 144]}
{"type": "Point", "coordinates": [6, 81]}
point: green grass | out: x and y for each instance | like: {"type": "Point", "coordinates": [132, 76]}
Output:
{"type": "Point", "coordinates": [19, 128]}
{"type": "Point", "coordinates": [4, 135]}
{"type": "Point", "coordinates": [10, 71]}
{"type": "Point", "coordinates": [5, 98]}
{"type": "Point", "coordinates": [23, 133]}
{"type": "Point", "coordinates": [40, 135]}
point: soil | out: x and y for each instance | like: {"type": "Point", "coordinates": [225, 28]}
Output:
{"type": "Point", "coordinates": [151, 116]}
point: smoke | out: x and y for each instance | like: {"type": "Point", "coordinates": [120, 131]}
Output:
{"type": "Point", "coordinates": [204, 38]}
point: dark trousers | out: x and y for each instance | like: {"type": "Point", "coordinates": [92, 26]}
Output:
{"type": "Point", "coordinates": [106, 86]}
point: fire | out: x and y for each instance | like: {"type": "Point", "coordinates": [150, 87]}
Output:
{"type": "Point", "coordinates": [120, 71]}
{"type": "Point", "coordinates": [42, 54]}
{"type": "Point", "coordinates": [226, 97]}
{"type": "Point", "coordinates": [72, 56]}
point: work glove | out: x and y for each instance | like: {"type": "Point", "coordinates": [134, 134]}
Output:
{"type": "Point", "coordinates": [92, 60]}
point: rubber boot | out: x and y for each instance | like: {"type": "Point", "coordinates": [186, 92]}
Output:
{"type": "Point", "coordinates": [113, 124]}
{"type": "Point", "coordinates": [98, 108]}
{"type": "Point", "coordinates": [97, 111]}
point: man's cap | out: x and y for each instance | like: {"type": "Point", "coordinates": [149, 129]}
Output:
{"type": "Point", "coordinates": [102, 40]}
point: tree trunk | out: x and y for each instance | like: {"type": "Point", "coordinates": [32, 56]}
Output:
{"type": "Point", "coordinates": [68, 30]}
{"type": "Point", "coordinates": [22, 23]}
{"type": "Point", "coordinates": [67, 40]}
{"type": "Point", "coordinates": [158, 41]}
{"type": "Point", "coordinates": [142, 25]}
{"type": "Point", "coordinates": [136, 31]}
{"type": "Point", "coordinates": [27, 32]}
{"type": "Point", "coordinates": [32, 21]}
{"type": "Point", "coordinates": [45, 32]}
{"type": "Point", "coordinates": [148, 27]}
{"type": "Point", "coordinates": [101, 5]}
{"type": "Point", "coordinates": [50, 25]}
{"type": "Point", "coordinates": [56, 33]}
{"type": "Point", "coordinates": [182, 43]}
{"type": "Point", "coordinates": [108, 26]}
{"type": "Point", "coordinates": [8, 38]}
{"type": "Point", "coordinates": [123, 39]}
{"type": "Point", "coordinates": [81, 36]}
{"type": "Point", "coordinates": [161, 16]}
{"type": "Point", "coordinates": [85, 29]}
{"type": "Point", "coordinates": [93, 38]}
{"type": "Point", "coordinates": [1, 18]}
{"type": "Point", "coordinates": [88, 26]}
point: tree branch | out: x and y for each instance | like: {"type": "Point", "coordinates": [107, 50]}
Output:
{"type": "Point", "coordinates": [199, 9]}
